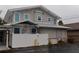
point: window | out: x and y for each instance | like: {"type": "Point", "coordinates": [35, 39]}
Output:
{"type": "Point", "coordinates": [17, 17]}
{"type": "Point", "coordinates": [16, 30]}
{"type": "Point", "coordinates": [55, 21]}
{"type": "Point", "coordinates": [39, 18]}
{"type": "Point", "coordinates": [49, 19]}
{"type": "Point", "coordinates": [26, 17]}
{"type": "Point", "coordinates": [39, 15]}
{"type": "Point", "coordinates": [34, 30]}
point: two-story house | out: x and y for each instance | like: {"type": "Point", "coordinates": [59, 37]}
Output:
{"type": "Point", "coordinates": [32, 20]}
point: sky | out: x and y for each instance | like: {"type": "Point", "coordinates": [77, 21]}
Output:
{"type": "Point", "coordinates": [66, 12]}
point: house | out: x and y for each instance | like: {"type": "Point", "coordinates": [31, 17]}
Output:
{"type": "Point", "coordinates": [73, 33]}
{"type": "Point", "coordinates": [24, 25]}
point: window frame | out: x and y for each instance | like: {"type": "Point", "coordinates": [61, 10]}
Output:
{"type": "Point", "coordinates": [19, 30]}
{"type": "Point", "coordinates": [25, 15]}
{"type": "Point", "coordinates": [37, 14]}
{"type": "Point", "coordinates": [34, 28]}
{"type": "Point", "coordinates": [18, 17]}
{"type": "Point", "coordinates": [38, 18]}
{"type": "Point", "coordinates": [52, 20]}
{"type": "Point", "coordinates": [49, 18]}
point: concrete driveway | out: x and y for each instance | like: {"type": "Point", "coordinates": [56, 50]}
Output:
{"type": "Point", "coordinates": [66, 48]}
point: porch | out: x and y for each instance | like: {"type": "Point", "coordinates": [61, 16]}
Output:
{"type": "Point", "coordinates": [4, 37]}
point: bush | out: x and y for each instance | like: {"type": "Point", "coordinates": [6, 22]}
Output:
{"type": "Point", "coordinates": [49, 43]}
{"type": "Point", "coordinates": [61, 42]}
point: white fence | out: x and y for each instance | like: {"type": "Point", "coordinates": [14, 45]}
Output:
{"type": "Point", "coordinates": [26, 40]}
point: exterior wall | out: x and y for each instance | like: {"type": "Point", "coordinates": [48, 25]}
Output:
{"type": "Point", "coordinates": [51, 32]}
{"type": "Point", "coordinates": [26, 40]}
{"type": "Point", "coordinates": [55, 34]}
{"type": "Point", "coordinates": [73, 35]}
{"type": "Point", "coordinates": [21, 15]}
{"type": "Point", "coordinates": [32, 16]}
{"type": "Point", "coordinates": [24, 28]}
{"type": "Point", "coordinates": [45, 17]}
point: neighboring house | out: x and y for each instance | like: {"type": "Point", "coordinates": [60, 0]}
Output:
{"type": "Point", "coordinates": [32, 20]}
{"type": "Point", "coordinates": [73, 33]}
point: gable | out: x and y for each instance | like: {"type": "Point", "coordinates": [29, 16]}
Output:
{"type": "Point", "coordinates": [40, 8]}
{"type": "Point", "coordinates": [36, 7]}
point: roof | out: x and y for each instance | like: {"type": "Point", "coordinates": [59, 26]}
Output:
{"type": "Point", "coordinates": [33, 7]}
{"type": "Point", "coordinates": [53, 26]}
{"type": "Point", "coordinates": [74, 26]}
{"type": "Point", "coordinates": [27, 22]}
{"type": "Point", "coordinates": [46, 25]}
{"type": "Point", "coordinates": [5, 26]}
{"type": "Point", "coordinates": [70, 21]}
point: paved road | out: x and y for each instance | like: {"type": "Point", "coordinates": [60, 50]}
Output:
{"type": "Point", "coordinates": [67, 48]}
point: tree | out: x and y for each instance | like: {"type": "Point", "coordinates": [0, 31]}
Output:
{"type": "Point", "coordinates": [60, 22]}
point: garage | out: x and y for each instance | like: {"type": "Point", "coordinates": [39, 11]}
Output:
{"type": "Point", "coordinates": [54, 34]}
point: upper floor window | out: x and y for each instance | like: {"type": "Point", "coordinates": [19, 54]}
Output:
{"type": "Point", "coordinates": [55, 21]}
{"type": "Point", "coordinates": [39, 18]}
{"type": "Point", "coordinates": [26, 17]}
{"type": "Point", "coordinates": [39, 15]}
{"type": "Point", "coordinates": [49, 19]}
{"type": "Point", "coordinates": [52, 20]}
{"type": "Point", "coordinates": [17, 17]}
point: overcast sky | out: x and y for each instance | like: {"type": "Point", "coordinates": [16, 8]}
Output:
{"type": "Point", "coordinates": [65, 11]}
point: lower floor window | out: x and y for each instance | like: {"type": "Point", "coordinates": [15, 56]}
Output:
{"type": "Point", "coordinates": [16, 30]}
{"type": "Point", "coordinates": [34, 30]}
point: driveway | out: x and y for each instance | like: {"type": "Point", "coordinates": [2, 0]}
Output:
{"type": "Point", "coordinates": [66, 48]}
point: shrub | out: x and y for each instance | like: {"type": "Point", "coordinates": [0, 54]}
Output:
{"type": "Point", "coordinates": [61, 42]}
{"type": "Point", "coordinates": [49, 43]}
